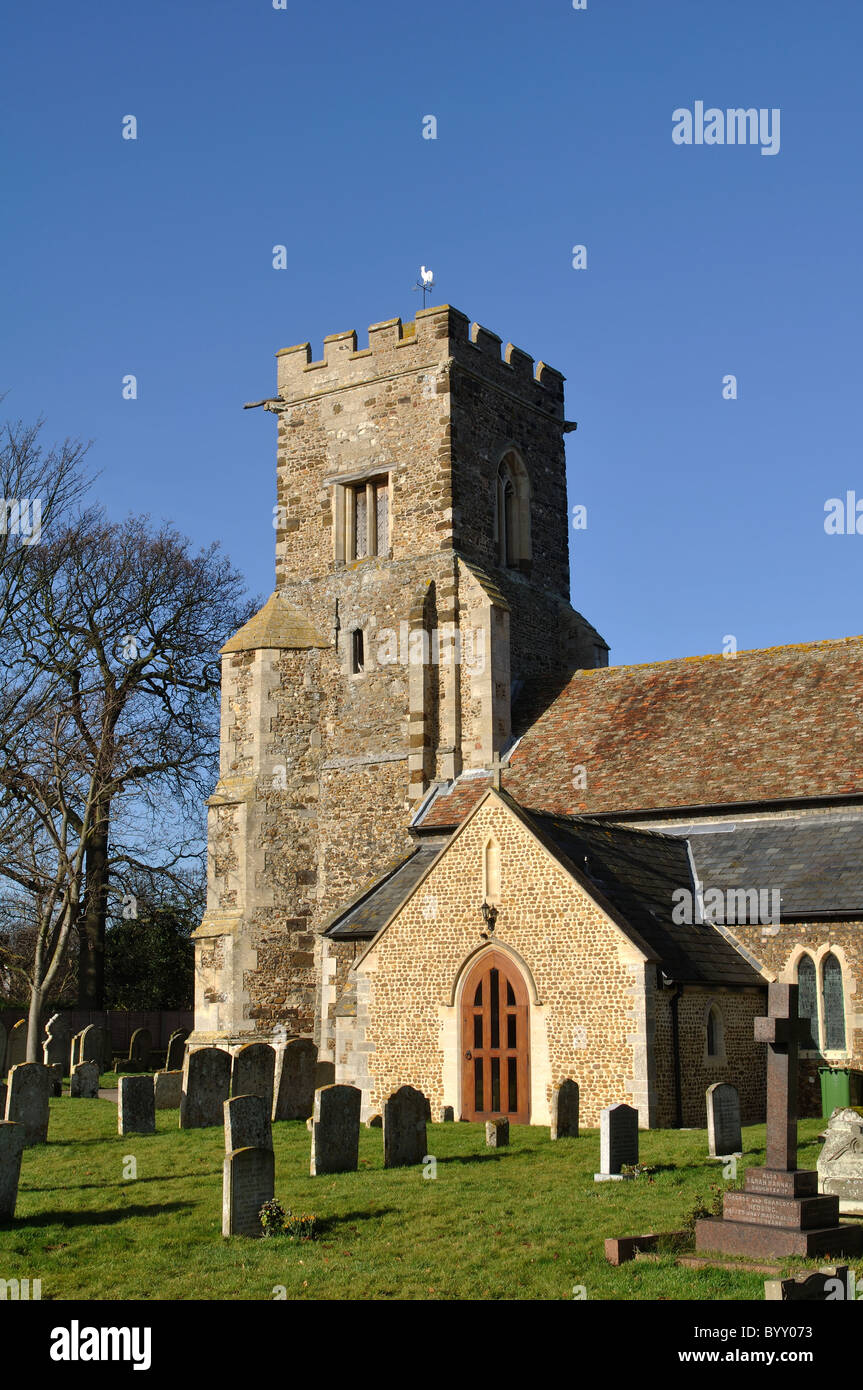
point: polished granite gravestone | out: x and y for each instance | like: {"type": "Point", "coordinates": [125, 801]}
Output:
{"type": "Point", "coordinates": [780, 1212]}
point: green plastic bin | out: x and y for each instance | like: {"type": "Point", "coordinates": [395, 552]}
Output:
{"type": "Point", "coordinates": [840, 1086]}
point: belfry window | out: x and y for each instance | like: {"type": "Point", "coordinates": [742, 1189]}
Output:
{"type": "Point", "coordinates": [362, 519]}
{"type": "Point", "coordinates": [512, 513]}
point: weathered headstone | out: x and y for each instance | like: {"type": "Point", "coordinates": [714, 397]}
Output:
{"type": "Point", "coordinates": [780, 1212]}
{"type": "Point", "coordinates": [248, 1182]}
{"type": "Point", "coordinates": [84, 1081]}
{"type": "Point", "coordinates": [140, 1047]}
{"type": "Point", "coordinates": [564, 1110]}
{"type": "Point", "coordinates": [446, 1115]}
{"type": "Point", "coordinates": [93, 1045]}
{"type": "Point", "coordinates": [840, 1162]}
{"type": "Point", "coordinates": [136, 1107]}
{"type": "Point", "coordinates": [75, 1050]}
{"type": "Point", "coordinates": [55, 1047]}
{"type": "Point", "coordinates": [325, 1074]}
{"type": "Point", "coordinates": [294, 1089]}
{"type": "Point", "coordinates": [27, 1101]}
{"type": "Point", "coordinates": [56, 1070]}
{"type": "Point", "coordinates": [167, 1089]}
{"type": "Point", "coordinates": [12, 1139]}
{"type": "Point", "coordinates": [497, 1133]}
{"type": "Point", "coordinates": [247, 1124]}
{"type": "Point", "coordinates": [335, 1130]}
{"type": "Point", "coordinates": [405, 1139]}
{"type": "Point", "coordinates": [206, 1086]}
{"type": "Point", "coordinates": [723, 1120]}
{"type": "Point", "coordinates": [176, 1050]}
{"type": "Point", "coordinates": [252, 1072]}
{"type": "Point", "coordinates": [618, 1141]}
{"type": "Point", "coordinates": [16, 1044]}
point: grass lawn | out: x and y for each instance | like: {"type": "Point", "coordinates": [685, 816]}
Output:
{"type": "Point", "coordinates": [518, 1223]}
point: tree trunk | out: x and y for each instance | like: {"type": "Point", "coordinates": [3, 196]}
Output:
{"type": "Point", "coordinates": [34, 1025]}
{"type": "Point", "coordinates": [91, 927]}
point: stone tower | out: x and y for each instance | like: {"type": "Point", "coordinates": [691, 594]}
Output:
{"type": "Point", "coordinates": [422, 576]}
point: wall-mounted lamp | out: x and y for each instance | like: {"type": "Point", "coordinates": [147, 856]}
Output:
{"type": "Point", "coordinates": [489, 914]}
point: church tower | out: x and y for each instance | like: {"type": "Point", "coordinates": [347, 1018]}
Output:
{"type": "Point", "coordinates": [422, 577]}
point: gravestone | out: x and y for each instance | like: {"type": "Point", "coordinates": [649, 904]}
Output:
{"type": "Point", "coordinates": [167, 1089]}
{"type": "Point", "coordinates": [252, 1072]}
{"type": "Point", "coordinates": [723, 1120]}
{"type": "Point", "coordinates": [140, 1047]}
{"type": "Point", "coordinates": [55, 1047]}
{"type": "Point", "coordinates": [564, 1110]}
{"type": "Point", "coordinates": [446, 1115]}
{"type": "Point", "coordinates": [294, 1089]}
{"type": "Point", "coordinates": [136, 1107]}
{"type": "Point", "coordinates": [335, 1130]}
{"type": "Point", "coordinates": [29, 1088]}
{"type": "Point", "coordinates": [93, 1045]}
{"type": "Point", "coordinates": [618, 1141]}
{"type": "Point", "coordinates": [75, 1050]}
{"type": "Point", "coordinates": [840, 1162]}
{"type": "Point", "coordinates": [176, 1050]}
{"type": "Point", "coordinates": [84, 1081]}
{"type": "Point", "coordinates": [206, 1085]}
{"type": "Point", "coordinates": [247, 1124]}
{"type": "Point", "coordinates": [780, 1212]}
{"type": "Point", "coordinates": [16, 1045]}
{"type": "Point", "coordinates": [405, 1139]}
{"type": "Point", "coordinates": [497, 1133]}
{"type": "Point", "coordinates": [325, 1074]}
{"type": "Point", "coordinates": [56, 1070]}
{"type": "Point", "coordinates": [248, 1182]}
{"type": "Point", "coordinates": [374, 1122]}
{"type": "Point", "coordinates": [12, 1139]}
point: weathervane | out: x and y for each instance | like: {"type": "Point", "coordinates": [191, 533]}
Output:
{"type": "Point", "coordinates": [426, 283]}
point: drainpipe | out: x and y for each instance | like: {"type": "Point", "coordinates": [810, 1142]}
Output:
{"type": "Point", "coordinates": [675, 1053]}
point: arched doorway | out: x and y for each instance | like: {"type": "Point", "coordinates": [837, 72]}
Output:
{"type": "Point", "coordinates": [495, 1046]}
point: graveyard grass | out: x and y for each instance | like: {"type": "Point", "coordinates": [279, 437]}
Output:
{"type": "Point", "coordinates": [527, 1222]}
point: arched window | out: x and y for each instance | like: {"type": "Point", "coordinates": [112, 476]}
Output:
{"type": "Point", "coordinates": [715, 1033]}
{"type": "Point", "coordinates": [512, 513]}
{"type": "Point", "coordinates": [491, 871]}
{"type": "Point", "coordinates": [832, 1004]}
{"type": "Point", "coordinates": [358, 651]}
{"type": "Point", "coordinates": [807, 1001]}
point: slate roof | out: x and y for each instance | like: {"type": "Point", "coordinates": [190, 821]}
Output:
{"type": "Point", "coordinates": [781, 724]}
{"type": "Point", "coordinates": [815, 861]}
{"type": "Point", "coordinates": [370, 910]}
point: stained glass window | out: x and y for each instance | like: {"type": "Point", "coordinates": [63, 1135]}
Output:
{"type": "Point", "coordinates": [807, 1001]}
{"type": "Point", "coordinates": [833, 1003]}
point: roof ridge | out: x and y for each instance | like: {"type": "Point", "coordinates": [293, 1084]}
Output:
{"type": "Point", "coordinates": [720, 656]}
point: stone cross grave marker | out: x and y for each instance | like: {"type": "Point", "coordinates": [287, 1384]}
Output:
{"type": "Point", "coordinates": [176, 1050]}
{"type": "Point", "coordinates": [136, 1106]}
{"type": "Point", "coordinates": [405, 1138]}
{"type": "Point", "coordinates": [335, 1129]}
{"type": "Point", "coordinates": [206, 1085]}
{"type": "Point", "coordinates": [618, 1141]}
{"type": "Point", "coordinates": [84, 1081]}
{"type": "Point", "coordinates": [248, 1182]}
{"type": "Point", "coordinates": [12, 1139]}
{"type": "Point", "coordinates": [780, 1212]}
{"type": "Point", "coordinates": [27, 1100]}
{"type": "Point", "coordinates": [167, 1089]}
{"type": "Point", "coordinates": [723, 1120]}
{"type": "Point", "coordinates": [294, 1091]}
{"type": "Point", "coordinates": [564, 1110]}
{"type": "Point", "coordinates": [252, 1072]}
{"type": "Point", "coordinates": [247, 1124]}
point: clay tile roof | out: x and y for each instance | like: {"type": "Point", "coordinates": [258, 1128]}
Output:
{"type": "Point", "coordinates": [277, 625]}
{"type": "Point", "coordinates": [453, 803]}
{"type": "Point", "coordinates": [779, 724]}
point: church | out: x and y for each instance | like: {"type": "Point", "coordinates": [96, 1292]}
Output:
{"type": "Point", "coordinates": [451, 843]}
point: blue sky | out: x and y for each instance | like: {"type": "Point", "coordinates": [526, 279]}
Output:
{"type": "Point", "coordinates": [303, 127]}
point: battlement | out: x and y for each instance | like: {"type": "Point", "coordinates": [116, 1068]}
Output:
{"type": "Point", "coordinates": [437, 335]}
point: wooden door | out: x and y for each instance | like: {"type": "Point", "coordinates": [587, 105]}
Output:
{"type": "Point", "coordinates": [495, 1047]}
